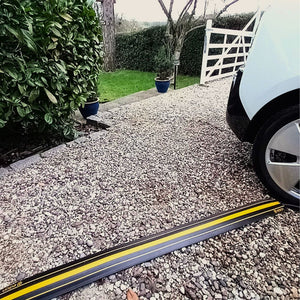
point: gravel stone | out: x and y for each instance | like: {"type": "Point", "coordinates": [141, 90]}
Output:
{"type": "Point", "coordinates": [142, 286]}
{"type": "Point", "coordinates": [295, 293]}
{"type": "Point", "coordinates": [216, 285]}
{"type": "Point", "coordinates": [118, 292]}
{"type": "Point", "coordinates": [222, 282]}
{"type": "Point", "coordinates": [147, 265]}
{"type": "Point", "coordinates": [112, 277]}
{"type": "Point", "coordinates": [182, 290]}
{"type": "Point", "coordinates": [21, 276]}
{"type": "Point", "coordinates": [89, 243]}
{"type": "Point", "coordinates": [262, 255]}
{"type": "Point", "coordinates": [278, 291]}
{"type": "Point", "coordinates": [164, 161]}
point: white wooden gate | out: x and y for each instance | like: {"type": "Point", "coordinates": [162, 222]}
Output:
{"type": "Point", "coordinates": [225, 50]}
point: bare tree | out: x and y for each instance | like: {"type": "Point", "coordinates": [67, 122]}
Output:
{"type": "Point", "coordinates": [187, 21]}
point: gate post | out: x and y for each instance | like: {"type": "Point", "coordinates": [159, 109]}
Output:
{"type": "Point", "coordinates": [205, 51]}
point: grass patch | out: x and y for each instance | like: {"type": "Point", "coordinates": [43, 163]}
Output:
{"type": "Point", "coordinates": [114, 85]}
{"type": "Point", "coordinates": [184, 81]}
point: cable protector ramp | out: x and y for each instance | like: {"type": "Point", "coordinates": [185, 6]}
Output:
{"type": "Point", "coordinates": [78, 273]}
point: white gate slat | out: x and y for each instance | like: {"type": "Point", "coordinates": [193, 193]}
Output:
{"type": "Point", "coordinates": [213, 46]}
{"type": "Point", "coordinates": [215, 77]}
{"type": "Point", "coordinates": [233, 32]}
{"type": "Point", "coordinates": [238, 43]}
{"type": "Point", "coordinates": [217, 56]}
{"type": "Point", "coordinates": [224, 66]}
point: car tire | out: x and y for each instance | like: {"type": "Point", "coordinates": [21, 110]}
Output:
{"type": "Point", "coordinates": [276, 155]}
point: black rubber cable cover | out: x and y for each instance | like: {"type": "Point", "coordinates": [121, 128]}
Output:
{"type": "Point", "coordinates": [68, 277]}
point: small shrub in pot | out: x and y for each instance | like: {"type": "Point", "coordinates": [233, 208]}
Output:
{"type": "Point", "coordinates": [163, 64]}
{"type": "Point", "coordinates": [164, 69]}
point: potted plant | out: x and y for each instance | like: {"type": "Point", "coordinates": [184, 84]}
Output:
{"type": "Point", "coordinates": [164, 68]}
{"type": "Point", "coordinates": [91, 106]}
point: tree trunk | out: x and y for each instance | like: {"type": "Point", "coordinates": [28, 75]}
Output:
{"type": "Point", "coordinates": [178, 47]}
{"type": "Point", "coordinates": [109, 35]}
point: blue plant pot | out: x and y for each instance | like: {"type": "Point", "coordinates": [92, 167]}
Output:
{"type": "Point", "coordinates": [162, 85]}
{"type": "Point", "coordinates": [89, 109]}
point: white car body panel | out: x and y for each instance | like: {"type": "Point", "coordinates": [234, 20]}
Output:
{"type": "Point", "coordinates": [273, 65]}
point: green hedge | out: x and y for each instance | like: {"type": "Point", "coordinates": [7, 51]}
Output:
{"type": "Point", "coordinates": [137, 51]}
{"type": "Point", "coordinates": [50, 57]}
{"type": "Point", "coordinates": [191, 54]}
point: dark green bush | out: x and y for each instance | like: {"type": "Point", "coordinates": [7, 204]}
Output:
{"type": "Point", "coordinates": [191, 54]}
{"type": "Point", "coordinates": [236, 22]}
{"type": "Point", "coordinates": [50, 57]}
{"type": "Point", "coordinates": [137, 51]}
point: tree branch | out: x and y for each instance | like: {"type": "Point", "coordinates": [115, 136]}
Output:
{"type": "Point", "coordinates": [193, 11]}
{"type": "Point", "coordinates": [225, 8]}
{"type": "Point", "coordinates": [171, 7]}
{"type": "Point", "coordinates": [196, 27]}
{"type": "Point", "coordinates": [185, 9]}
{"type": "Point", "coordinates": [205, 8]}
{"type": "Point", "coordinates": [166, 12]}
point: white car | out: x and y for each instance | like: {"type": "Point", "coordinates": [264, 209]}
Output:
{"type": "Point", "coordinates": [263, 105]}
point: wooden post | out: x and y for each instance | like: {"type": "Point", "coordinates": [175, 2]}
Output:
{"type": "Point", "coordinates": [205, 51]}
{"type": "Point", "coordinates": [109, 39]}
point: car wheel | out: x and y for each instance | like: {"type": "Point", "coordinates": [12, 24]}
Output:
{"type": "Point", "coordinates": [276, 156]}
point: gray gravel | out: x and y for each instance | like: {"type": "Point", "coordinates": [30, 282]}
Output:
{"type": "Point", "coordinates": [163, 162]}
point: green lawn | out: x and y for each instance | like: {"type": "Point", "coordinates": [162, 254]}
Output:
{"type": "Point", "coordinates": [113, 85]}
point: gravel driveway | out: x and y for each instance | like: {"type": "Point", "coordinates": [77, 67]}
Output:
{"type": "Point", "coordinates": [164, 161]}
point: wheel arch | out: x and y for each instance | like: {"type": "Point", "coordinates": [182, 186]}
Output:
{"type": "Point", "coordinates": [287, 99]}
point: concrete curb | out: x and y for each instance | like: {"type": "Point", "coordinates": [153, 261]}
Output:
{"type": "Point", "coordinates": [136, 97]}
{"type": "Point", "coordinates": [23, 163]}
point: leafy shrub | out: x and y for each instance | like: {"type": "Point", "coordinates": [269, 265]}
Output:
{"type": "Point", "coordinates": [50, 55]}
